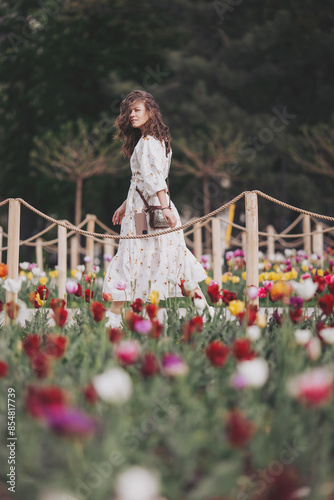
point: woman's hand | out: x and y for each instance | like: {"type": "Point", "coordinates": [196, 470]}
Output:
{"type": "Point", "coordinates": [169, 217]}
{"type": "Point", "coordinates": [119, 214]}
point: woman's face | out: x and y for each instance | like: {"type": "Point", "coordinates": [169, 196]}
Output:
{"type": "Point", "coordinates": [138, 115]}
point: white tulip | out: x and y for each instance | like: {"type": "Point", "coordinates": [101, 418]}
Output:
{"type": "Point", "coordinates": [56, 495]}
{"type": "Point", "coordinates": [254, 372]}
{"type": "Point", "coordinates": [189, 285]}
{"type": "Point", "coordinates": [13, 286]}
{"type": "Point", "coordinates": [24, 266]}
{"type": "Point", "coordinates": [314, 348]}
{"type": "Point", "coordinates": [302, 336]}
{"type": "Point", "coordinates": [137, 483]}
{"type": "Point", "coordinates": [199, 304]}
{"type": "Point", "coordinates": [113, 386]}
{"type": "Point", "coordinates": [253, 332]}
{"type": "Point", "coordinates": [305, 290]}
{"type": "Point", "coordinates": [328, 335]}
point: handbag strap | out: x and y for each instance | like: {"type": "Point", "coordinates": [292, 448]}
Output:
{"type": "Point", "coordinates": [146, 204]}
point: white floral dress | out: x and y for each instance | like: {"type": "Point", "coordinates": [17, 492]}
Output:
{"type": "Point", "coordinates": [156, 259]}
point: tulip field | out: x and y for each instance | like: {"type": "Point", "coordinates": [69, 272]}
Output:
{"type": "Point", "coordinates": [238, 406]}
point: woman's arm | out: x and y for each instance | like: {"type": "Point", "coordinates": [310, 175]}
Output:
{"type": "Point", "coordinates": [162, 198]}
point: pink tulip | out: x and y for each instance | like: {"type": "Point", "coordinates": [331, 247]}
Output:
{"type": "Point", "coordinates": [71, 286]}
{"type": "Point", "coordinates": [142, 326]}
{"type": "Point", "coordinates": [313, 388]}
{"type": "Point", "coordinates": [121, 285]}
{"type": "Point", "coordinates": [128, 351]}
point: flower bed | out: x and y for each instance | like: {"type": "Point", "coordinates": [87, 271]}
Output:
{"type": "Point", "coordinates": [219, 409]}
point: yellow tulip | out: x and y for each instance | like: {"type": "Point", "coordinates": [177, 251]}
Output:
{"type": "Point", "coordinates": [155, 297]}
{"type": "Point", "coordinates": [305, 268]}
{"type": "Point", "coordinates": [225, 278]}
{"type": "Point", "coordinates": [208, 280]}
{"type": "Point", "coordinates": [243, 275]}
{"type": "Point", "coordinates": [235, 279]}
{"type": "Point", "coordinates": [43, 280]}
{"type": "Point", "coordinates": [236, 307]}
{"type": "Point", "coordinates": [30, 275]}
{"type": "Point", "coordinates": [74, 272]}
{"type": "Point", "coordinates": [261, 320]}
{"type": "Point", "coordinates": [22, 273]}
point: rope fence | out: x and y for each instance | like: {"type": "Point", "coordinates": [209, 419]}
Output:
{"type": "Point", "coordinates": [248, 237]}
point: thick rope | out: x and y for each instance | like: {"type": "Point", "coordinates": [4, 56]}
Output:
{"type": "Point", "coordinates": [291, 207]}
{"type": "Point", "coordinates": [67, 225]}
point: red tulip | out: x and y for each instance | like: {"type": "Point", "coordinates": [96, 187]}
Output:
{"type": "Point", "coordinates": [217, 353]}
{"type": "Point", "coordinates": [60, 316]}
{"type": "Point", "coordinates": [88, 295]}
{"type": "Point", "coordinates": [239, 430]}
{"type": "Point", "coordinates": [194, 325]}
{"type": "Point", "coordinates": [313, 388]}
{"type": "Point", "coordinates": [150, 365]}
{"type": "Point", "coordinates": [90, 394]}
{"type": "Point", "coordinates": [321, 283]}
{"type": "Point", "coordinates": [156, 330]}
{"type": "Point", "coordinates": [31, 344]}
{"type": "Point", "coordinates": [40, 364]}
{"type": "Point", "coordinates": [326, 304]}
{"type": "Point", "coordinates": [43, 292]}
{"type": "Point", "coordinates": [152, 310]}
{"type": "Point", "coordinates": [57, 303]}
{"type": "Point", "coordinates": [242, 351]}
{"type": "Point", "coordinates": [98, 311]}
{"type": "Point", "coordinates": [3, 369]}
{"type": "Point", "coordinates": [115, 335]}
{"type": "Point", "coordinates": [228, 296]}
{"type": "Point", "coordinates": [38, 399]}
{"type": "Point", "coordinates": [214, 292]}
{"type": "Point", "coordinates": [137, 305]}
{"type": "Point", "coordinates": [55, 345]}
{"type": "Point", "coordinates": [78, 293]}
{"type": "Point", "coordinates": [12, 309]}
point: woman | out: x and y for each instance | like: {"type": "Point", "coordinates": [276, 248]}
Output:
{"type": "Point", "coordinates": [154, 263]}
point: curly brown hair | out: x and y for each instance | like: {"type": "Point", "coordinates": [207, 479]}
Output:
{"type": "Point", "coordinates": [154, 126]}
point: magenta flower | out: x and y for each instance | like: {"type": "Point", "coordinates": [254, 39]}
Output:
{"type": "Point", "coordinates": [107, 257]}
{"type": "Point", "coordinates": [142, 326]}
{"type": "Point", "coordinates": [173, 365]}
{"type": "Point", "coordinates": [70, 422]}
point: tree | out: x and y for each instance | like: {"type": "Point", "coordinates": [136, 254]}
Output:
{"type": "Point", "coordinates": [211, 157]}
{"type": "Point", "coordinates": [74, 154]}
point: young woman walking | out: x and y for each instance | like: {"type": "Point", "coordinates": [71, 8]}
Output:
{"type": "Point", "coordinates": [162, 259]}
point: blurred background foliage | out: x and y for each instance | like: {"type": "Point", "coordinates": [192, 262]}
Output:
{"type": "Point", "coordinates": [220, 71]}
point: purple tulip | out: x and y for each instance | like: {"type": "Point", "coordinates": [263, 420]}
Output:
{"type": "Point", "coordinates": [70, 421]}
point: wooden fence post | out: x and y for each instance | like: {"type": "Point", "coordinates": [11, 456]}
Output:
{"type": "Point", "coordinates": [252, 242]}
{"type": "Point", "coordinates": [198, 247]}
{"type": "Point", "coordinates": [108, 249]}
{"type": "Point", "coordinates": [39, 253]}
{"type": "Point", "coordinates": [1, 240]}
{"type": "Point", "coordinates": [90, 242]}
{"type": "Point", "coordinates": [318, 242]}
{"type": "Point", "coordinates": [270, 241]}
{"type": "Point", "coordinates": [62, 262]}
{"type": "Point", "coordinates": [216, 250]}
{"type": "Point", "coordinates": [14, 216]}
{"type": "Point", "coordinates": [74, 252]}
{"type": "Point", "coordinates": [307, 236]}
{"type": "Point", "coordinates": [244, 241]}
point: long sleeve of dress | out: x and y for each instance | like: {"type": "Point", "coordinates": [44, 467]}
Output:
{"type": "Point", "coordinates": [152, 158]}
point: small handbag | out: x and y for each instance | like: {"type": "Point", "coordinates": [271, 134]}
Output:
{"type": "Point", "coordinates": [156, 218]}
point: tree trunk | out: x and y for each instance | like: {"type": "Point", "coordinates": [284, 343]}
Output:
{"type": "Point", "coordinates": [78, 201]}
{"type": "Point", "coordinates": [206, 206]}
